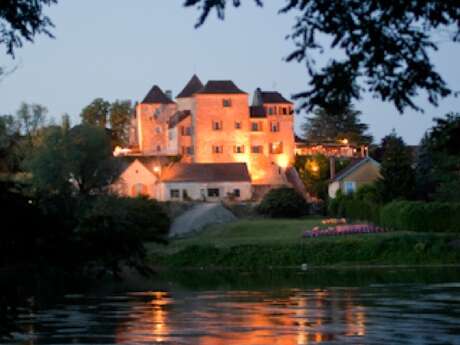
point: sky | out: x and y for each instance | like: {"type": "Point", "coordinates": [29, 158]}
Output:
{"type": "Point", "coordinates": [117, 49]}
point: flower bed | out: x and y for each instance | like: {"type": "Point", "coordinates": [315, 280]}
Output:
{"type": "Point", "coordinates": [339, 230]}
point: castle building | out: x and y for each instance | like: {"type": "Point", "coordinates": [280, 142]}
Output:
{"type": "Point", "coordinates": [209, 127]}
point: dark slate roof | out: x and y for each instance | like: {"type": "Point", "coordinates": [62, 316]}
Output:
{"type": "Point", "coordinates": [257, 111]}
{"type": "Point", "coordinates": [273, 97]}
{"type": "Point", "coordinates": [220, 86]}
{"type": "Point", "coordinates": [192, 86]}
{"type": "Point", "coordinates": [353, 166]}
{"type": "Point", "coordinates": [206, 172]}
{"type": "Point", "coordinates": [178, 117]}
{"type": "Point", "coordinates": [156, 95]}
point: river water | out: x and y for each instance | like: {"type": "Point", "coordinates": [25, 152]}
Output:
{"type": "Point", "coordinates": [287, 308]}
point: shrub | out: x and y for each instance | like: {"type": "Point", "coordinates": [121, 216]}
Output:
{"type": "Point", "coordinates": [361, 205]}
{"type": "Point", "coordinates": [113, 231]}
{"type": "Point", "coordinates": [421, 216]}
{"type": "Point", "coordinates": [283, 202]}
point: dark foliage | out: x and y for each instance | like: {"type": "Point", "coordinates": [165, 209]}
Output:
{"type": "Point", "coordinates": [421, 216]}
{"type": "Point", "coordinates": [364, 205]}
{"type": "Point", "coordinates": [326, 126]}
{"type": "Point", "coordinates": [314, 171]}
{"type": "Point", "coordinates": [398, 176]}
{"type": "Point", "coordinates": [283, 202]}
{"type": "Point", "coordinates": [386, 46]}
{"type": "Point", "coordinates": [23, 20]}
{"type": "Point", "coordinates": [438, 162]}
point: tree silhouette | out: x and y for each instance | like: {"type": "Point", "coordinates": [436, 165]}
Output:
{"type": "Point", "coordinates": [332, 126]}
{"type": "Point", "coordinates": [23, 20]}
{"type": "Point", "coordinates": [386, 46]}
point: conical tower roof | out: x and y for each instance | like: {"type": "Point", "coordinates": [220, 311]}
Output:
{"type": "Point", "coordinates": [192, 86]}
{"type": "Point", "coordinates": [156, 95]}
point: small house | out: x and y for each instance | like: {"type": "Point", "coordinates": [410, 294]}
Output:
{"type": "Point", "coordinates": [359, 173]}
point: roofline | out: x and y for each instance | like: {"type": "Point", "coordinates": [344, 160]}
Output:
{"type": "Point", "coordinates": [354, 167]}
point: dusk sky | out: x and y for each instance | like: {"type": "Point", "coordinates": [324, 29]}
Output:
{"type": "Point", "coordinates": [119, 49]}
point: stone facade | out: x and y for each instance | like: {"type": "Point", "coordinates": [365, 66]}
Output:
{"type": "Point", "coordinates": [214, 123]}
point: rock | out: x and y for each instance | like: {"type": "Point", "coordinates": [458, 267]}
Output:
{"type": "Point", "coordinates": [200, 216]}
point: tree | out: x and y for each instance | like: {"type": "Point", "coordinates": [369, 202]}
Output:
{"type": "Point", "coordinates": [386, 46]}
{"type": "Point", "coordinates": [78, 161]}
{"type": "Point", "coordinates": [9, 137]}
{"type": "Point", "coordinates": [438, 161]}
{"type": "Point", "coordinates": [120, 117]}
{"type": "Point", "coordinates": [398, 177]}
{"type": "Point", "coordinates": [31, 118]}
{"type": "Point", "coordinates": [23, 20]}
{"type": "Point", "coordinates": [333, 126]}
{"type": "Point", "coordinates": [96, 113]}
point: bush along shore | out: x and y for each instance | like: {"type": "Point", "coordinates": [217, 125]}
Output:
{"type": "Point", "coordinates": [393, 248]}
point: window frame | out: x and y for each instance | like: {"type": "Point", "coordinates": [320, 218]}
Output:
{"type": "Point", "coordinates": [174, 193]}
{"type": "Point", "coordinates": [213, 195]}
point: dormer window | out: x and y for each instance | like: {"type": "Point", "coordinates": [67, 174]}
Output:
{"type": "Point", "coordinates": [227, 103]}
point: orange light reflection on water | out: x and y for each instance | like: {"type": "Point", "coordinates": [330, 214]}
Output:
{"type": "Point", "coordinates": [292, 320]}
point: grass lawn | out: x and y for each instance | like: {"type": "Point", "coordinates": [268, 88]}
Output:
{"type": "Point", "coordinates": [278, 242]}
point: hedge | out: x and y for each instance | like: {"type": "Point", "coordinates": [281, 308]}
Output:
{"type": "Point", "coordinates": [421, 216]}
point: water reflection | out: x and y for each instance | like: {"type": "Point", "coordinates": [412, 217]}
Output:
{"type": "Point", "coordinates": [373, 314]}
{"type": "Point", "coordinates": [288, 318]}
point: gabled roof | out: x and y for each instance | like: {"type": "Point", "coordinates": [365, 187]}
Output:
{"type": "Point", "coordinates": [156, 95]}
{"type": "Point", "coordinates": [354, 166]}
{"type": "Point", "coordinates": [192, 86]}
{"type": "Point", "coordinates": [148, 161]}
{"type": "Point", "coordinates": [178, 117]}
{"type": "Point", "coordinates": [273, 97]}
{"type": "Point", "coordinates": [220, 86]}
{"type": "Point", "coordinates": [257, 111]}
{"type": "Point", "coordinates": [206, 172]}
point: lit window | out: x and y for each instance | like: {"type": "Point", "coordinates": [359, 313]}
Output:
{"type": "Point", "coordinates": [213, 192]}
{"type": "Point", "coordinates": [217, 125]}
{"type": "Point", "coordinates": [350, 187]}
{"type": "Point", "coordinates": [276, 147]}
{"type": "Point", "coordinates": [275, 126]}
{"type": "Point", "coordinates": [238, 149]}
{"type": "Point", "coordinates": [238, 125]}
{"type": "Point", "coordinates": [257, 149]}
{"type": "Point", "coordinates": [227, 103]}
{"type": "Point", "coordinates": [217, 149]}
{"type": "Point", "coordinates": [174, 193]}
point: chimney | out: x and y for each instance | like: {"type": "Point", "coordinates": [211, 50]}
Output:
{"type": "Point", "coordinates": [169, 94]}
{"type": "Point", "coordinates": [332, 166]}
{"type": "Point", "coordinates": [257, 98]}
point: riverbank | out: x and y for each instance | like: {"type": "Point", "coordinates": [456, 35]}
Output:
{"type": "Point", "coordinates": [272, 243]}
